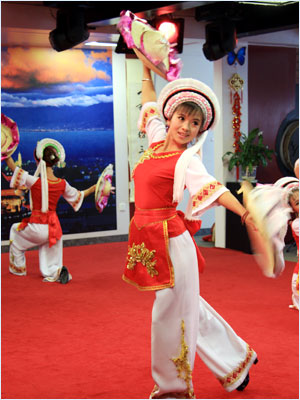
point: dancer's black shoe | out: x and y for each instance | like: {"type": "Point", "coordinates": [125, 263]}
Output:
{"type": "Point", "coordinates": [64, 275]}
{"type": "Point", "coordinates": [244, 383]}
{"type": "Point", "coordinates": [246, 380]}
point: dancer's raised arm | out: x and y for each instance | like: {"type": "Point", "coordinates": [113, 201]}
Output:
{"type": "Point", "coordinates": [148, 91]}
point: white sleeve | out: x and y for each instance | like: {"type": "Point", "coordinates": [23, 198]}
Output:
{"type": "Point", "coordinates": [22, 178]}
{"type": "Point", "coordinates": [295, 226]}
{"type": "Point", "coordinates": [151, 122]}
{"type": "Point", "coordinates": [73, 196]}
{"type": "Point", "coordinates": [204, 189]}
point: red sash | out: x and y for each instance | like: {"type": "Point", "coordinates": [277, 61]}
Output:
{"type": "Point", "coordinates": [148, 265]}
{"type": "Point", "coordinates": [49, 218]}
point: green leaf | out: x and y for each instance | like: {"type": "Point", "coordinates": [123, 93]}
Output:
{"type": "Point", "coordinates": [252, 152]}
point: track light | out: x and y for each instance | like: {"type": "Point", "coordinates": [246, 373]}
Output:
{"type": "Point", "coordinates": [70, 29]}
{"type": "Point", "coordinates": [220, 39]}
{"type": "Point", "coordinates": [172, 29]}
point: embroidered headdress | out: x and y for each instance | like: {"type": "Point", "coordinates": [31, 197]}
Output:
{"type": "Point", "coordinates": [179, 92]}
{"type": "Point", "coordinates": [41, 168]}
{"type": "Point", "coordinates": [288, 184]}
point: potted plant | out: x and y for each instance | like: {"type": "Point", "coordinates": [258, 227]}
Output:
{"type": "Point", "coordinates": [253, 152]}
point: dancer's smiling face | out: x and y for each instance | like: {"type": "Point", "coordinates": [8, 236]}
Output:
{"type": "Point", "coordinates": [185, 124]}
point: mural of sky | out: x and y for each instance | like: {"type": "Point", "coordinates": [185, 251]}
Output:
{"type": "Point", "coordinates": [45, 89]}
{"type": "Point", "coordinates": [67, 96]}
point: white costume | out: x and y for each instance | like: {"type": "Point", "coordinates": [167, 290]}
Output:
{"type": "Point", "coordinates": [295, 277]}
{"type": "Point", "coordinates": [182, 322]}
{"type": "Point", "coordinates": [43, 228]}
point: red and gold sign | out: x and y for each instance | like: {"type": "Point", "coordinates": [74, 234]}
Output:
{"type": "Point", "coordinates": [236, 84]}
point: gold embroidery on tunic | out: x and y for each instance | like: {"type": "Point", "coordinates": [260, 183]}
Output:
{"type": "Point", "coordinates": [150, 153]}
{"type": "Point", "coordinates": [182, 364]}
{"type": "Point", "coordinates": [233, 376]}
{"type": "Point", "coordinates": [140, 254]}
{"type": "Point", "coordinates": [205, 192]}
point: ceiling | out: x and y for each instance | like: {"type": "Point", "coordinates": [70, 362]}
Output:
{"type": "Point", "coordinates": [254, 21]}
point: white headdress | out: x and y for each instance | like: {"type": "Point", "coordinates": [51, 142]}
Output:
{"type": "Point", "coordinates": [287, 183]}
{"type": "Point", "coordinates": [182, 91]}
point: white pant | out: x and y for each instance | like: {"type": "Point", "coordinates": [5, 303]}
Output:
{"type": "Point", "coordinates": [50, 258]}
{"type": "Point", "coordinates": [183, 323]}
{"type": "Point", "coordinates": [295, 293]}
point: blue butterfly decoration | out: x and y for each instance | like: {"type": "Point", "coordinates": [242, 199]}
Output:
{"type": "Point", "coordinates": [233, 57]}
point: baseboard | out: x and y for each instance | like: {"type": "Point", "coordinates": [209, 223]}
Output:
{"type": "Point", "coordinates": [83, 241]}
{"type": "Point", "coordinates": [101, 239]}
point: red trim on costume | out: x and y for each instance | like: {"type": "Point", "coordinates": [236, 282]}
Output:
{"type": "Point", "coordinates": [17, 180]}
{"type": "Point", "coordinates": [148, 113]}
{"type": "Point", "coordinates": [205, 193]}
{"type": "Point", "coordinates": [233, 376]}
{"type": "Point", "coordinates": [76, 202]}
{"type": "Point", "coordinates": [17, 270]}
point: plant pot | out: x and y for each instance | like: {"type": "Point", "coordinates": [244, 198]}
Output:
{"type": "Point", "coordinates": [246, 175]}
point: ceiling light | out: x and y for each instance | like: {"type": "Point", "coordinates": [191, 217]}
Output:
{"type": "Point", "coordinates": [101, 44]}
{"type": "Point", "coordinates": [220, 39]}
{"type": "Point", "coordinates": [172, 29]}
{"type": "Point", "coordinates": [70, 30]}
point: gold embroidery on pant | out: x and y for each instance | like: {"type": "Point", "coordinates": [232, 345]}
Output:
{"type": "Point", "coordinates": [17, 270]}
{"type": "Point", "coordinates": [233, 376]}
{"type": "Point", "coordinates": [171, 395]}
{"type": "Point", "coordinates": [12, 267]}
{"type": "Point", "coordinates": [140, 254]}
{"type": "Point", "coordinates": [182, 364]}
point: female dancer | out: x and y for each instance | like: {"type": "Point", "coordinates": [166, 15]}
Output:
{"type": "Point", "coordinates": [43, 228]}
{"type": "Point", "coordinates": [162, 255]}
{"type": "Point", "coordinates": [294, 203]}
{"type": "Point", "coordinates": [293, 200]}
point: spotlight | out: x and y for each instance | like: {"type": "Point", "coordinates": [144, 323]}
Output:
{"type": "Point", "coordinates": [70, 30]}
{"type": "Point", "coordinates": [220, 39]}
{"type": "Point", "coordinates": [173, 30]}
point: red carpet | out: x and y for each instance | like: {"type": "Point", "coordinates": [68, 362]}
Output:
{"type": "Point", "coordinates": [90, 339]}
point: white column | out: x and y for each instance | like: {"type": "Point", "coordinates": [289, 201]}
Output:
{"type": "Point", "coordinates": [224, 132]}
{"type": "Point", "coordinates": [121, 155]}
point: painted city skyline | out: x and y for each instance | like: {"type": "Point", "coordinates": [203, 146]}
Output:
{"type": "Point", "coordinates": [67, 96]}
